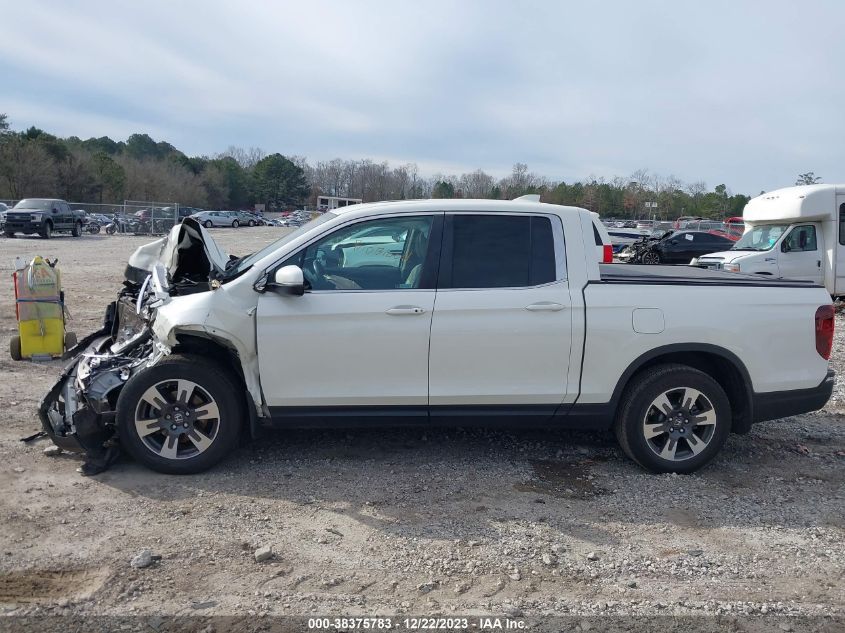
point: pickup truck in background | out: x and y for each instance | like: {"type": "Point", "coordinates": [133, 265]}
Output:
{"type": "Point", "coordinates": [437, 312]}
{"type": "Point", "coordinates": [43, 216]}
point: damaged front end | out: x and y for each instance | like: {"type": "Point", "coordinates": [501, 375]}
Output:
{"type": "Point", "coordinates": [78, 413]}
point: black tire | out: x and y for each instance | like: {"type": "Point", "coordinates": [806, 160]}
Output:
{"type": "Point", "coordinates": [76, 231]}
{"type": "Point", "coordinates": [208, 224]}
{"type": "Point", "coordinates": [251, 223]}
{"type": "Point", "coordinates": [9, 234]}
{"type": "Point", "coordinates": [111, 229]}
{"type": "Point", "coordinates": [46, 231]}
{"type": "Point", "coordinates": [639, 415]}
{"type": "Point", "coordinates": [213, 382]}
{"type": "Point", "coordinates": [651, 257]}
{"type": "Point", "coordinates": [15, 348]}
{"type": "Point", "coordinates": [235, 224]}
{"type": "Point", "coordinates": [70, 340]}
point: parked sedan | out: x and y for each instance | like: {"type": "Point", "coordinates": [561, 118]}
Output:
{"type": "Point", "coordinates": [245, 218]}
{"type": "Point", "coordinates": [681, 247]}
{"type": "Point", "coordinates": [217, 218]}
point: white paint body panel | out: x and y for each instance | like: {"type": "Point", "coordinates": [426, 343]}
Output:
{"type": "Point", "coordinates": [771, 330]}
{"type": "Point", "coordinates": [341, 348]}
{"type": "Point", "coordinates": [500, 346]}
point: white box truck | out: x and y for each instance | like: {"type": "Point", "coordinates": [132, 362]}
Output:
{"type": "Point", "coordinates": [791, 233]}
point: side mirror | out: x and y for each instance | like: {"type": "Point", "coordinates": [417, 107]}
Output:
{"type": "Point", "coordinates": [289, 280]}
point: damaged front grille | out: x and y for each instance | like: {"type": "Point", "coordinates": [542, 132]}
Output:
{"type": "Point", "coordinates": [78, 413]}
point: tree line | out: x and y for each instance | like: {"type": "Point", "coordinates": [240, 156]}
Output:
{"type": "Point", "coordinates": [35, 163]}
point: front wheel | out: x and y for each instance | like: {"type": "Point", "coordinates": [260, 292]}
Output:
{"type": "Point", "coordinates": [673, 419]}
{"type": "Point", "coordinates": [180, 417]}
{"type": "Point", "coordinates": [235, 224]}
{"type": "Point", "coordinates": [651, 257]}
{"type": "Point", "coordinates": [207, 224]}
{"type": "Point", "coordinates": [46, 231]}
{"type": "Point", "coordinates": [76, 231]}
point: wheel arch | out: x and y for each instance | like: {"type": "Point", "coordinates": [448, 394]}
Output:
{"type": "Point", "coordinates": [722, 365]}
{"type": "Point", "coordinates": [221, 351]}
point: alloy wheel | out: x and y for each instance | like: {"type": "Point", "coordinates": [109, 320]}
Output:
{"type": "Point", "coordinates": [177, 419]}
{"type": "Point", "coordinates": [679, 424]}
{"type": "Point", "coordinates": [651, 258]}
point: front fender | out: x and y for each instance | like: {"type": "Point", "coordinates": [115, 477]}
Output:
{"type": "Point", "coordinates": [220, 317]}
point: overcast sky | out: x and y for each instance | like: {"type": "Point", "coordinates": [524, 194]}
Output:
{"type": "Point", "coordinates": [744, 93]}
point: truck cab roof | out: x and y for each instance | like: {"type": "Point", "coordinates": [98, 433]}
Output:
{"type": "Point", "coordinates": [462, 204]}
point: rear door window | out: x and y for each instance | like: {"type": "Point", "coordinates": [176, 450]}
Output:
{"type": "Point", "coordinates": [498, 251]}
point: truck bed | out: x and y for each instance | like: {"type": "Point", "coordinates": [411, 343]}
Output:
{"type": "Point", "coordinates": [690, 275]}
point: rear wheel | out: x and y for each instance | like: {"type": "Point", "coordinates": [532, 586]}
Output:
{"type": "Point", "coordinates": [46, 231]}
{"type": "Point", "coordinates": [76, 231]}
{"type": "Point", "coordinates": [207, 224]}
{"type": "Point", "coordinates": [251, 223]}
{"type": "Point", "coordinates": [180, 416]}
{"type": "Point", "coordinates": [674, 419]}
{"type": "Point", "coordinates": [15, 348]}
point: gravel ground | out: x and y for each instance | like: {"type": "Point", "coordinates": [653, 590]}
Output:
{"type": "Point", "coordinates": [407, 521]}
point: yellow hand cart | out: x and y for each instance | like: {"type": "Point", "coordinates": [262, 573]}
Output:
{"type": "Point", "coordinates": [39, 306]}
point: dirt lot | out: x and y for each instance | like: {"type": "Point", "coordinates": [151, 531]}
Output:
{"type": "Point", "coordinates": [408, 521]}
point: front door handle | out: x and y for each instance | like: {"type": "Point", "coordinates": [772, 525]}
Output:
{"type": "Point", "coordinates": [545, 306]}
{"type": "Point", "coordinates": [400, 310]}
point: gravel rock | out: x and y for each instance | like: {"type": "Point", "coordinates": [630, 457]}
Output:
{"type": "Point", "coordinates": [263, 553]}
{"type": "Point", "coordinates": [142, 559]}
{"type": "Point", "coordinates": [592, 556]}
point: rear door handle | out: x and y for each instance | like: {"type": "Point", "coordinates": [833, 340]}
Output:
{"type": "Point", "coordinates": [545, 306]}
{"type": "Point", "coordinates": [400, 310]}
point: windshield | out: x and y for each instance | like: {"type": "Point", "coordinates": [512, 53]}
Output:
{"type": "Point", "coordinates": [760, 238]}
{"type": "Point", "coordinates": [240, 265]}
{"type": "Point", "coordinates": [32, 203]}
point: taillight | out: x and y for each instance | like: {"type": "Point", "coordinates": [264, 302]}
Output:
{"type": "Point", "coordinates": [607, 254]}
{"type": "Point", "coordinates": [824, 331]}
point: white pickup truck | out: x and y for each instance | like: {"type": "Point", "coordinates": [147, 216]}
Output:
{"type": "Point", "coordinates": [436, 312]}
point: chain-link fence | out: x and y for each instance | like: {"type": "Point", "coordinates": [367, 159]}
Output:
{"type": "Point", "coordinates": [135, 217]}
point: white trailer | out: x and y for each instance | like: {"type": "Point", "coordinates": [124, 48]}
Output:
{"type": "Point", "coordinates": [793, 233]}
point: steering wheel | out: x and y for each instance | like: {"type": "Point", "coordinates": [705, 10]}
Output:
{"type": "Point", "coordinates": [317, 266]}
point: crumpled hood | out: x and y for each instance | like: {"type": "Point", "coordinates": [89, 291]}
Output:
{"type": "Point", "coordinates": [187, 246]}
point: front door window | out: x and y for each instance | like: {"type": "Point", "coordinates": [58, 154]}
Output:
{"type": "Point", "coordinates": [385, 254]}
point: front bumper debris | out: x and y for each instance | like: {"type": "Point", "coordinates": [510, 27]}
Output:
{"type": "Point", "coordinates": [78, 413]}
